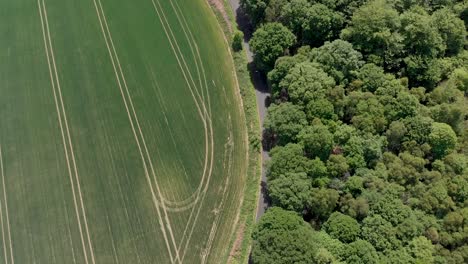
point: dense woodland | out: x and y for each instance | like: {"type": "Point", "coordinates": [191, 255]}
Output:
{"type": "Point", "coordinates": [368, 129]}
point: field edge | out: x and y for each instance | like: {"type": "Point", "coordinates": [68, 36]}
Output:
{"type": "Point", "coordinates": [241, 237]}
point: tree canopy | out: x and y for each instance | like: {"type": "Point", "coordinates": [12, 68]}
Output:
{"type": "Point", "coordinates": [369, 129]}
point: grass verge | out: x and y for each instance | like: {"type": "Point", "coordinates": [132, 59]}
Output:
{"type": "Point", "coordinates": [241, 240]}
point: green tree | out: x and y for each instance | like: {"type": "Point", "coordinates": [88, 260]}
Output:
{"type": "Point", "coordinates": [395, 134]}
{"type": "Point", "coordinates": [293, 14]}
{"type": "Point", "coordinates": [284, 122]}
{"type": "Point", "coordinates": [289, 158]}
{"type": "Point", "coordinates": [442, 139]}
{"type": "Point", "coordinates": [322, 109]}
{"type": "Point", "coordinates": [421, 38]}
{"type": "Point", "coordinates": [339, 59]}
{"type": "Point", "coordinates": [379, 233]}
{"type": "Point", "coordinates": [282, 66]}
{"type": "Point", "coordinates": [422, 250]}
{"type": "Point", "coordinates": [322, 202]}
{"type": "Point", "coordinates": [270, 42]}
{"type": "Point", "coordinates": [360, 252]}
{"type": "Point", "coordinates": [237, 39]}
{"type": "Point", "coordinates": [342, 227]}
{"type": "Point", "coordinates": [290, 191]}
{"type": "Point", "coordinates": [423, 70]}
{"type": "Point", "coordinates": [282, 237]}
{"type": "Point", "coordinates": [317, 141]}
{"type": "Point", "coordinates": [374, 30]}
{"type": "Point", "coordinates": [306, 82]}
{"type": "Point", "coordinates": [451, 28]}
{"type": "Point", "coordinates": [459, 79]}
{"type": "Point", "coordinates": [337, 166]}
{"type": "Point", "coordinates": [321, 24]}
{"type": "Point", "coordinates": [372, 77]}
{"type": "Point", "coordinates": [255, 9]}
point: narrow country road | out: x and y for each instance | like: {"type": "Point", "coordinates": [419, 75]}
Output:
{"type": "Point", "coordinates": [262, 92]}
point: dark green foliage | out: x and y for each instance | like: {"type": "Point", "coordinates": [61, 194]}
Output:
{"type": "Point", "coordinates": [290, 191]}
{"type": "Point", "coordinates": [282, 237]}
{"type": "Point", "coordinates": [321, 24]}
{"type": "Point", "coordinates": [317, 141]}
{"type": "Point", "coordinates": [360, 252]}
{"type": "Point", "coordinates": [284, 122]}
{"type": "Point", "coordinates": [289, 158]}
{"type": "Point", "coordinates": [322, 202]}
{"type": "Point", "coordinates": [338, 59]}
{"type": "Point", "coordinates": [255, 9]}
{"type": "Point", "coordinates": [451, 28]}
{"type": "Point", "coordinates": [237, 39]}
{"type": "Point", "coordinates": [342, 227]}
{"type": "Point", "coordinates": [270, 42]}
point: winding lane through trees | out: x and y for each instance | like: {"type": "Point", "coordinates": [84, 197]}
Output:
{"type": "Point", "coordinates": [262, 93]}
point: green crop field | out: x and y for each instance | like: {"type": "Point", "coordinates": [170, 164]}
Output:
{"type": "Point", "coordinates": [122, 137]}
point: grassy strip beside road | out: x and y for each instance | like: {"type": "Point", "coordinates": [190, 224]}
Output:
{"type": "Point", "coordinates": [241, 240]}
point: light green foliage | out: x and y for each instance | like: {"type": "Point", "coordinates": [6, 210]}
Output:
{"type": "Point", "coordinates": [323, 240]}
{"type": "Point", "coordinates": [337, 166]}
{"type": "Point", "coordinates": [270, 42]}
{"type": "Point", "coordinates": [422, 250]}
{"type": "Point", "coordinates": [369, 116]}
{"type": "Point", "coordinates": [459, 79]}
{"type": "Point", "coordinates": [342, 227]}
{"type": "Point", "coordinates": [451, 28]}
{"type": "Point", "coordinates": [392, 210]}
{"type": "Point", "coordinates": [360, 252]}
{"type": "Point", "coordinates": [435, 199]}
{"type": "Point", "coordinates": [421, 38]}
{"type": "Point", "coordinates": [404, 169]}
{"type": "Point", "coordinates": [373, 30]}
{"type": "Point", "coordinates": [306, 82]}
{"type": "Point", "coordinates": [284, 122]}
{"type": "Point", "coordinates": [419, 128]}
{"type": "Point", "coordinates": [290, 191]}
{"type": "Point", "coordinates": [322, 109]}
{"type": "Point", "coordinates": [372, 77]}
{"type": "Point", "coordinates": [379, 233]}
{"type": "Point", "coordinates": [282, 237]}
{"type": "Point", "coordinates": [442, 139]}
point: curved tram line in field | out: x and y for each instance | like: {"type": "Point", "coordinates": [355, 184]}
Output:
{"type": "Point", "coordinates": [200, 95]}
{"type": "Point", "coordinates": [205, 115]}
{"type": "Point", "coordinates": [174, 45]}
